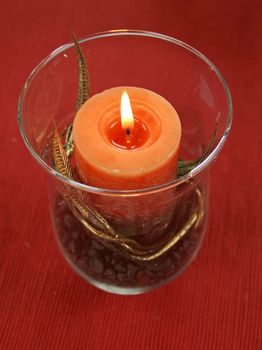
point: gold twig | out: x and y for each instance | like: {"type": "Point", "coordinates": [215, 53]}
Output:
{"type": "Point", "coordinates": [146, 253]}
{"type": "Point", "coordinates": [175, 239]}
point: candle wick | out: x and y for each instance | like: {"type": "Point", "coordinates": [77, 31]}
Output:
{"type": "Point", "coordinates": [128, 136]}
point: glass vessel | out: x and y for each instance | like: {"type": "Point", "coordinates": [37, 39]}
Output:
{"type": "Point", "coordinates": [155, 232]}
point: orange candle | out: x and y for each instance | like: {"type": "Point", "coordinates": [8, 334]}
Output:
{"type": "Point", "coordinates": [141, 151]}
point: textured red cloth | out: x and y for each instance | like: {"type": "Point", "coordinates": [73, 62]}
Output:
{"type": "Point", "coordinates": [217, 302]}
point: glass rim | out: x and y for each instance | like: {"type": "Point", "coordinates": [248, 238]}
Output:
{"type": "Point", "coordinates": [154, 189]}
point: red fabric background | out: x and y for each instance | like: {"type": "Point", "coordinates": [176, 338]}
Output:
{"type": "Point", "coordinates": [217, 303]}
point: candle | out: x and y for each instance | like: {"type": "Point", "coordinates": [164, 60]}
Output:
{"type": "Point", "coordinates": [139, 152]}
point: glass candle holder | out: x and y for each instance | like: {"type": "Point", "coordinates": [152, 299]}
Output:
{"type": "Point", "coordinates": [129, 242]}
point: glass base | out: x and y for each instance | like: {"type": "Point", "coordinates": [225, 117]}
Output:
{"type": "Point", "coordinates": [108, 268]}
{"type": "Point", "coordinates": [128, 290]}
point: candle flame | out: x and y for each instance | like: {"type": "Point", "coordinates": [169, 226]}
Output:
{"type": "Point", "coordinates": [127, 119]}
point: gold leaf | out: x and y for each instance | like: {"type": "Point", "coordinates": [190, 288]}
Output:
{"type": "Point", "coordinates": [69, 141]}
{"type": "Point", "coordinates": [62, 164]}
{"type": "Point", "coordinates": [61, 160]}
{"type": "Point", "coordinates": [83, 93]}
{"type": "Point", "coordinates": [83, 76]}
